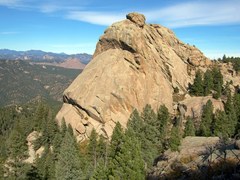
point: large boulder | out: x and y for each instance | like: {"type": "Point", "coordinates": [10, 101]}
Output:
{"type": "Point", "coordinates": [134, 64]}
{"type": "Point", "coordinates": [195, 104]}
{"type": "Point", "coordinates": [195, 153]}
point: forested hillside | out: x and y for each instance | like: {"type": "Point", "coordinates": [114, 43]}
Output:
{"type": "Point", "coordinates": [21, 82]}
{"type": "Point", "coordinates": [130, 154]}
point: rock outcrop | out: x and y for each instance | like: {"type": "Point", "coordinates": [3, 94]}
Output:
{"type": "Point", "coordinates": [134, 64]}
{"type": "Point", "coordinates": [33, 155]}
{"type": "Point", "coordinates": [194, 105]}
{"type": "Point", "coordinates": [195, 153]}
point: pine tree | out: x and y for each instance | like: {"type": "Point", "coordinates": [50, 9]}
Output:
{"type": "Point", "coordinates": [197, 87]}
{"type": "Point", "coordinates": [217, 81]}
{"type": "Point", "coordinates": [231, 114]}
{"type": "Point", "coordinates": [206, 120]}
{"type": "Point", "coordinates": [236, 101]}
{"type": "Point", "coordinates": [116, 140]}
{"type": "Point", "coordinates": [17, 152]}
{"type": "Point", "coordinates": [102, 153]}
{"type": "Point", "coordinates": [175, 138]}
{"type": "Point", "coordinates": [46, 164]}
{"type": "Point", "coordinates": [135, 122]}
{"type": "Point", "coordinates": [127, 162]}
{"type": "Point", "coordinates": [208, 82]}
{"type": "Point", "coordinates": [189, 128]}
{"type": "Point", "coordinates": [163, 119]}
{"type": "Point", "coordinates": [101, 173]}
{"type": "Point", "coordinates": [224, 58]}
{"type": "Point", "coordinates": [68, 165]}
{"type": "Point", "coordinates": [145, 132]}
{"type": "Point", "coordinates": [148, 115]}
{"type": "Point", "coordinates": [221, 124]}
{"type": "Point", "coordinates": [92, 149]}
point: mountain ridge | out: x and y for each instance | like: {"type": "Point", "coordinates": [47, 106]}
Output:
{"type": "Point", "coordinates": [39, 56]}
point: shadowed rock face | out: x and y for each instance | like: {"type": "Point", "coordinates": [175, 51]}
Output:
{"type": "Point", "coordinates": [134, 64]}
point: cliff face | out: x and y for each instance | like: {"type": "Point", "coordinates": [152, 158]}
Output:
{"type": "Point", "coordinates": [134, 64]}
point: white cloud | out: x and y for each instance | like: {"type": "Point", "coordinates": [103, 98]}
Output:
{"type": "Point", "coordinates": [197, 13]}
{"type": "Point", "coordinates": [87, 47]}
{"type": "Point", "coordinates": [80, 45]}
{"type": "Point", "coordinates": [179, 15]}
{"type": "Point", "coordinates": [49, 8]}
{"type": "Point", "coordinates": [9, 2]}
{"type": "Point", "coordinates": [190, 13]}
{"type": "Point", "coordinates": [98, 18]}
{"type": "Point", "coordinates": [8, 32]}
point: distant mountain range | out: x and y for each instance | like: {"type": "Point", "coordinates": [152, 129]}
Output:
{"type": "Point", "coordinates": [73, 61]}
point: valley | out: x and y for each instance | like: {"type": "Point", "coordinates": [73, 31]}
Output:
{"type": "Point", "coordinates": [23, 82]}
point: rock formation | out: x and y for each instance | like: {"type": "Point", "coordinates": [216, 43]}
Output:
{"type": "Point", "coordinates": [194, 154]}
{"type": "Point", "coordinates": [134, 64]}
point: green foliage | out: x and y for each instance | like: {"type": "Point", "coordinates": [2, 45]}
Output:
{"type": "Point", "coordinates": [205, 128]}
{"type": "Point", "coordinates": [23, 82]}
{"type": "Point", "coordinates": [189, 128]}
{"type": "Point", "coordinates": [46, 164]}
{"type": "Point", "coordinates": [211, 80]}
{"type": "Point", "coordinates": [221, 124]}
{"type": "Point", "coordinates": [163, 119]}
{"type": "Point", "coordinates": [236, 105]}
{"type": "Point", "coordinates": [175, 138]}
{"type": "Point", "coordinates": [217, 81]}
{"type": "Point", "coordinates": [92, 148]}
{"type": "Point", "coordinates": [234, 60]}
{"type": "Point", "coordinates": [68, 165]}
{"type": "Point", "coordinates": [127, 162]}
{"type": "Point", "coordinates": [197, 87]}
{"type": "Point", "coordinates": [116, 140]}
{"type": "Point", "coordinates": [230, 111]}
{"type": "Point", "coordinates": [33, 174]}
{"type": "Point", "coordinates": [207, 82]}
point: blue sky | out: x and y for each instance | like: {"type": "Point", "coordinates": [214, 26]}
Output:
{"type": "Point", "coordinates": [74, 26]}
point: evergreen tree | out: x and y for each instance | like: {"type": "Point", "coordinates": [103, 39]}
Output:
{"type": "Point", "coordinates": [101, 173]}
{"type": "Point", "coordinates": [92, 149]}
{"type": "Point", "coordinates": [145, 132]}
{"type": "Point", "coordinates": [68, 165]}
{"type": "Point", "coordinates": [217, 81]}
{"type": "Point", "coordinates": [231, 114]}
{"type": "Point", "coordinates": [206, 120]}
{"type": "Point", "coordinates": [46, 164]}
{"type": "Point", "coordinates": [224, 58]}
{"type": "Point", "coordinates": [102, 153]}
{"type": "Point", "coordinates": [136, 123]}
{"type": "Point", "coordinates": [163, 119]}
{"type": "Point", "coordinates": [197, 87]}
{"type": "Point", "coordinates": [33, 174]}
{"type": "Point", "coordinates": [189, 128]}
{"type": "Point", "coordinates": [175, 138]}
{"type": "Point", "coordinates": [207, 82]}
{"type": "Point", "coordinates": [221, 124]}
{"type": "Point", "coordinates": [236, 101]}
{"type": "Point", "coordinates": [17, 152]}
{"type": "Point", "coordinates": [127, 162]}
{"type": "Point", "coordinates": [116, 140]}
{"type": "Point", "coordinates": [148, 115]}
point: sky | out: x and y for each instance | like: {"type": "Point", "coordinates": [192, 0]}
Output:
{"type": "Point", "coordinates": [74, 26]}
